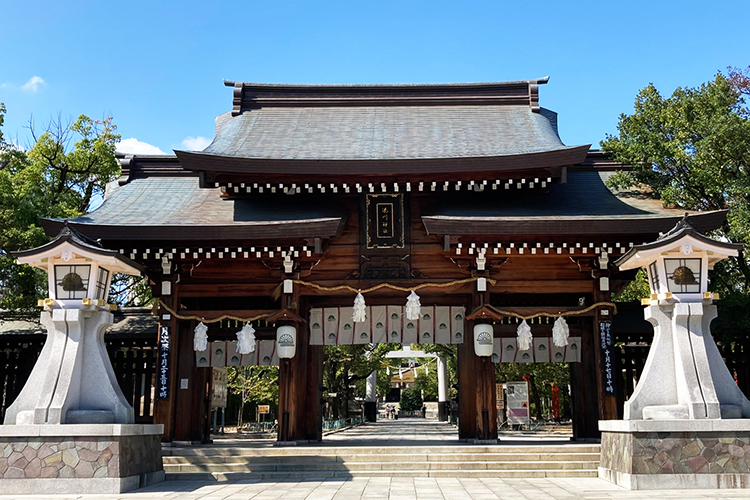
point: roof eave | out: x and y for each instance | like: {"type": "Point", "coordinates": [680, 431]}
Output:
{"type": "Point", "coordinates": [207, 162]}
{"type": "Point", "coordinates": [506, 226]}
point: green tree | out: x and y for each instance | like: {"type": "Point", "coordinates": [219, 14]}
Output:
{"type": "Point", "coordinates": [411, 399]}
{"type": "Point", "coordinates": [692, 150]}
{"type": "Point", "coordinates": [253, 385]}
{"type": "Point", "coordinates": [345, 369]}
{"type": "Point", "coordinates": [60, 176]}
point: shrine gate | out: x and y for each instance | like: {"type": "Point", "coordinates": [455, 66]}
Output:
{"type": "Point", "coordinates": [462, 193]}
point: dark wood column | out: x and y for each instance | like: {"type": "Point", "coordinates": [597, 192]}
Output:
{"type": "Point", "coordinates": [476, 389]}
{"type": "Point", "coordinates": [299, 392]}
{"type": "Point", "coordinates": [300, 378]}
{"type": "Point", "coordinates": [164, 409]}
{"type": "Point", "coordinates": [584, 392]}
{"type": "Point", "coordinates": [608, 408]}
{"type": "Point", "coordinates": [193, 389]}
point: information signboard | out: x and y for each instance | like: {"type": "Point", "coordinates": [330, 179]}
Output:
{"type": "Point", "coordinates": [219, 388]}
{"type": "Point", "coordinates": [263, 409]}
{"type": "Point", "coordinates": [518, 402]}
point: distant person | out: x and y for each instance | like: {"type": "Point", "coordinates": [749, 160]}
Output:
{"type": "Point", "coordinates": [424, 410]}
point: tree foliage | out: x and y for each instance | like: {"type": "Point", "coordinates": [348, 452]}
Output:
{"type": "Point", "coordinates": [253, 385]}
{"type": "Point", "coordinates": [59, 176]}
{"type": "Point", "coordinates": [345, 369]}
{"type": "Point", "coordinates": [692, 150]}
{"type": "Point", "coordinates": [411, 399]}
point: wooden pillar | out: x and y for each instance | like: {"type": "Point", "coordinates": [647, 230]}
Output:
{"type": "Point", "coordinates": [300, 378]}
{"type": "Point", "coordinates": [164, 409]}
{"type": "Point", "coordinates": [584, 392]}
{"type": "Point", "coordinates": [192, 394]}
{"type": "Point", "coordinates": [299, 392]}
{"type": "Point", "coordinates": [476, 388]}
{"type": "Point", "coordinates": [467, 385]}
{"type": "Point", "coordinates": [607, 403]}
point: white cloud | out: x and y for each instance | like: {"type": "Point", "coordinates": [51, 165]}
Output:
{"type": "Point", "coordinates": [33, 84]}
{"type": "Point", "coordinates": [136, 147]}
{"type": "Point", "coordinates": [195, 143]}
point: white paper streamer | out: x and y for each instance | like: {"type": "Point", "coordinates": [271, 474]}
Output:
{"type": "Point", "coordinates": [200, 340]}
{"type": "Point", "coordinates": [560, 332]}
{"type": "Point", "coordinates": [246, 339]}
{"type": "Point", "coordinates": [413, 307]}
{"type": "Point", "coordinates": [524, 336]}
{"type": "Point", "coordinates": [359, 314]}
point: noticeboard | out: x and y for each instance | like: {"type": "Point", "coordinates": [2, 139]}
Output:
{"type": "Point", "coordinates": [263, 409]}
{"type": "Point", "coordinates": [219, 388]}
{"type": "Point", "coordinates": [499, 396]}
{"type": "Point", "coordinates": [518, 402]}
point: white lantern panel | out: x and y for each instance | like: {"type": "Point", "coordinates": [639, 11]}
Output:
{"type": "Point", "coordinates": [72, 282]}
{"type": "Point", "coordinates": [102, 284]}
{"type": "Point", "coordinates": [683, 275]}
{"type": "Point", "coordinates": [653, 274]}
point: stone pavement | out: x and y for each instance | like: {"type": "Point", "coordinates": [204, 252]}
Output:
{"type": "Point", "coordinates": [414, 432]}
{"type": "Point", "coordinates": [400, 489]}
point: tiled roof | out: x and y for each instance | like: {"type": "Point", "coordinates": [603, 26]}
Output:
{"type": "Point", "coordinates": [582, 205]}
{"type": "Point", "coordinates": [177, 208]}
{"type": "Point", "coordinates": [385, 133]}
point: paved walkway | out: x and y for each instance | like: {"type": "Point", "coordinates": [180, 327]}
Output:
{"type": "Point", "coordinates": [404, 432]}
{"type": "Point", "coordinates": [401, 489]}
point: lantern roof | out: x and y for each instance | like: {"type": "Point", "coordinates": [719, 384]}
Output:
{"type": "Point", "coordinates": [674, 240]}
{"type": "Point", "coordinates": [70, 240]}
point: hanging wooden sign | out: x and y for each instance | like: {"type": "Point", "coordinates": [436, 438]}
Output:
{"type": "Point", "coordinates": [162, 379]}
{"type": "Point", "coordinates": [607, 358]}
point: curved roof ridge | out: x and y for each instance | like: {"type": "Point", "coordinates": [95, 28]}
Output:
{"type": "Point", "coordinates": [231, 83]}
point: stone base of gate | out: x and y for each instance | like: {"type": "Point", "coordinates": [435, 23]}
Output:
{"type": "Point", "coordinates": [78, 459]}
{"type": "Point", "coordinates": [676, 454]}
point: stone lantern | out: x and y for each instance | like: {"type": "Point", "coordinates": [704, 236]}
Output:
{"type": "Point", "coordinates": [686, 418]}
{"type": "Point", "coordinates": [684, 376]}
{"type": "Point", "coordinates": [73, 380]}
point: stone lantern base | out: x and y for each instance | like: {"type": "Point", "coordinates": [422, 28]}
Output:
{"type": "Point", "coordinates": [676, 454]}
{"type": "Point", "coordinates": [78, 459]}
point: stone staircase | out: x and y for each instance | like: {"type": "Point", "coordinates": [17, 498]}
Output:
{"type": "Point", "coordinates": [215, 463]}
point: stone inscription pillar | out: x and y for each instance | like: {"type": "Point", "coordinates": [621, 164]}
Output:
{"type": "Point", "coordinates": [371, 397]}
{"type": "Point", "coordinates": [442, 374]}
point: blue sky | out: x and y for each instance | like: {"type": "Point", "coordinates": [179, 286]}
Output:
{"type": "Point", "coordinates": [157, 66]}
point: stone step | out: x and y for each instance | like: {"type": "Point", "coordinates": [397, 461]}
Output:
{"type": "Point", "coordinates": [324, 451]}
{"type": "Point", "coordinates": [237, 476]}
{"type": "Point", "coordinates": [376, 466]}
{"type": "Point", "coordinates": [384, 458]}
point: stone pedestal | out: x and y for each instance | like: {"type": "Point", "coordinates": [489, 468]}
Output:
{"type": "Point", "coordinates": [676, 454]}
{"type": "Point", "coordinates": [79, 459]}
